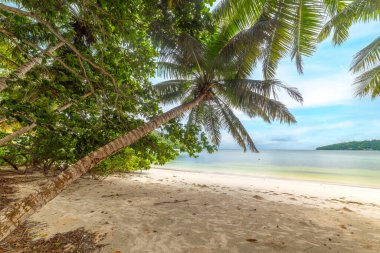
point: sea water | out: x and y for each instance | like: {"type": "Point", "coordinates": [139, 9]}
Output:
{"type": "Point", "coordinates": [361, 168]}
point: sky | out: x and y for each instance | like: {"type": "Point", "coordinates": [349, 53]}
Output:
{"type": "Point", "coordinates": [330, 112]}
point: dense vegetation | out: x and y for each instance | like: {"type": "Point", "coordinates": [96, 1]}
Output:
{"type": "Point", "coordinates": [353, 145]}
{"type": "Point", "coordinates": [95, 86]}
{"type": "Point", "coordinates": [75, 90]}
{"type": "Point", "coordinates": [74, 75]}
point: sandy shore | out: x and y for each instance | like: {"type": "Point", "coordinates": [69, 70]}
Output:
{"type": "Point", "coordinates": [176, 211]}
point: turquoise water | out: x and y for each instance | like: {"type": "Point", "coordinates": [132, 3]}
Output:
{"type": "Point", "coordinates": [360, 168]}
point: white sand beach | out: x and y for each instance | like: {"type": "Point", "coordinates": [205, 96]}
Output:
{"type": "Point", "coordinates": [177, 211]}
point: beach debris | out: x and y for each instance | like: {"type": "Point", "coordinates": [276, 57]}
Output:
{"type": "Point", "coordinates": [276, 244]}
{"type": "Point", "coordinates": [258, 197]}
{"type": "Point", "coordinates": [24, 240]}
{"type": "Point", "coordinates": [343, 226]}
{"type": "Point", "coordinates": [251, 240]}
{"type": "Point", "coordinates": [170, 202]}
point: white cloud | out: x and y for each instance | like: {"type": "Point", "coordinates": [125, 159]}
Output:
{"type": "Point", "coordinates": [322, 91]}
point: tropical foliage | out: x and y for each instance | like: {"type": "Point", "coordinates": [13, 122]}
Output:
{"type": "Point", "coordinates": [211, 70]}
{"type": "Point", "coordinates": [366, 62]}
{"type": "Point", "coordinates": [353, 145]}
{"type": "Point", "coordinates": [277, 28]}
{"type": "Point", "coordinates": [297, 27]}
{"type": "Point", "coordinates": [95, 86]}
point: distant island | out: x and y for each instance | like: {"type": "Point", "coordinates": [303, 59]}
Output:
{"type": "Point", "coordinates": [353, 145]}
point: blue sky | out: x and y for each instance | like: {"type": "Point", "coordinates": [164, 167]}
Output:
{"type": "Point", "coordinates": [330, 112]}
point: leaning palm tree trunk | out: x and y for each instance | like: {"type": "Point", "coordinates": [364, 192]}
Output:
{"type": "Point", "coordinates": [26, 129]}
{"type": "Point", "coordinates": [17, 133]}
{"type": "Point", "coordinates": [25, 68]}
{"type": "Point", "coordinates": [16, 213]}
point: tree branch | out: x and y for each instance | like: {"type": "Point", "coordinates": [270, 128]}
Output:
{"type": "Point", "coordinates": [25, 68]}
{"type": "Point", "coordinates": [58, 35]}
{"type": "Point", "coordinates": [26, 129]}
{"type": "Point", "coordinates": [9, 60]}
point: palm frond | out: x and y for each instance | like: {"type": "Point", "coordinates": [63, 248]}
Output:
{"type": "Point", "coordinates": [294, 29]}
{"type": "Point", "coordinates": [254, 99]}
{"type": "Point", "coordinates": [239, 52]}
{"type": "Point", "coordinates": [170, 70]}
{"type": "Point", "coordinates": [355, 11]}
{"type": "Point", "coordinates": [235, 127]}
{"type": "Point", "coordinates": [368, 83]}
{"type": "Point", "coordinates": [195, 116]}
{"type": "Point", "coordinates": [268, 88]}
{"type": "Point", "coordinates": [185, 48]}
{"type": "Point", "coordinates": [307, 21]}
{"type": "Point", "coordinates": [367, 57]}
{"type": "Point", "coordinates": [172, 91]}
{"type": "Point", "coordinates": [332, 7]}
{"type": "Point", "coordinates": [211, 122]}
{"type": "Point", "coordinates": [280, 41]}
{"type": "Point", "coordinates": [247, 10]}
{"type": "Point", "coordinates": [223, 9]}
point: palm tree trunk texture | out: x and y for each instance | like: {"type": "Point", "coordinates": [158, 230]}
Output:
{"type": "Point", "coordinates": [17, 134]}
{"type": "Point", "coordinates": [17, 212]}
{"type": "Point", "coordinates": [26, 129]}
{"type": "Point", "coordinates": [25, 68]}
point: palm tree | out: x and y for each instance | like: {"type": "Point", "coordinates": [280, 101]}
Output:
{"type": "Point", "coordinates": [213, 86]}
{"type": "Point", "coordinates": [366, 62]}
{"type": "Point", "coordinates": [211, 79]}
{"type": "Point", "coordinates": [210, 71]}
{"type": "Point", "coordinates": [294, 26]}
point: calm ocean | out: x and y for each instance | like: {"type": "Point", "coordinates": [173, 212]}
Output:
{"type": "Point", "coordinates": [360, 168]}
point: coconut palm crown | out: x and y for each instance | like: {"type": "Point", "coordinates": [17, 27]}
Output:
{"type": "Point", "coordinates": [218, 71]}
{"type": "Point", "coordinates": [298, 25]}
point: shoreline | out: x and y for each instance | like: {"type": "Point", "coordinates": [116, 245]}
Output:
{"type": "Point", "coordinates": [271, 177]}
{"type": "Point", "coordinates": [309, 192]}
